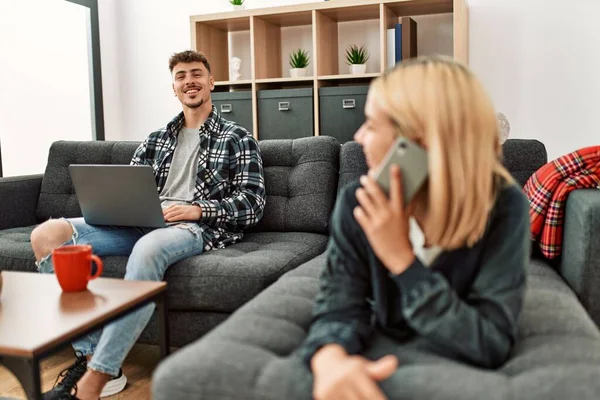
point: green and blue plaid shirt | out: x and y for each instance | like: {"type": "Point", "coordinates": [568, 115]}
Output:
{"type": "Point", "coordinates": [230, 185]}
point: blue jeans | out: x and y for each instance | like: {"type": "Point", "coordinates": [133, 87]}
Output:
{"type": "Point", "coordinates": [151, 252]}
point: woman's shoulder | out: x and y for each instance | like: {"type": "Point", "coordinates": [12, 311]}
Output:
{"type": "Point", "coordinates": [511, 199]}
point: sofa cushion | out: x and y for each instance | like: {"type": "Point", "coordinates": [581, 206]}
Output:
{"type": "Point", "coordinates": [522, 157]}
{"type": "Point", "coordinates": [301, 180]}
{"type": "Point", "coordinates": [557, 355]}
{"type": "Point", "coordinates": [352, 163]}
{"type": "Point", "coordinates": [223, 279]}
{"type": "Point", "coordinates": [16, 253]}
{"type": "Point", "coordinates": [57, 197]}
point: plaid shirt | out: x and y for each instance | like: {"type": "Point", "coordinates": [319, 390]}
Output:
{"type": "Point", "coordinates": [548, 188]}
{"type": "Point", "coordinates": [230, 186]}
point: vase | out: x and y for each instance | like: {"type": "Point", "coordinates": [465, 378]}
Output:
{"type": "Point", "coordinates": [297, 72]}
{"type": "Point", "coordinates": [357, 69]}
{"type": "Point", "coordinates": [238, 8]}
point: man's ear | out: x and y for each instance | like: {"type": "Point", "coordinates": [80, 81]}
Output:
{"type": "Point", "coordinates": [212, 83]}
{"type": "Point", "coordinates": [174, 92]}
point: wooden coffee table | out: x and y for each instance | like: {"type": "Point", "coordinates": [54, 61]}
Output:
{"type": "Point", "coordinates": [36, 317]}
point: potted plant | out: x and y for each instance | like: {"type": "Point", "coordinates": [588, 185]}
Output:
{"type": "Point", "coordinates": [237, 5]}
{"type": "Point", "coordinates": [299, 60]}
{"type": "Point", "coordinates": [356, 58]}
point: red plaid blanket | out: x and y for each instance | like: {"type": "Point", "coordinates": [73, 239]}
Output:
{"type": "Point", "coordinates": [548, 188]}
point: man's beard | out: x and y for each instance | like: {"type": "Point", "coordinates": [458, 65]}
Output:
{"type": "Point", "coordinates": [195, 105]}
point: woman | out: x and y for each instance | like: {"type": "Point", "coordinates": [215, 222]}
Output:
{"type": "Point", "coordinates": [445, 274]}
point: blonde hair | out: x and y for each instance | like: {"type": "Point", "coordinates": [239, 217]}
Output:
{"type": "Point", "coordinates": [439, 101]}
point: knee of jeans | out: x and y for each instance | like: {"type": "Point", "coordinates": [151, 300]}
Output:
{"type": "Point", "coordinates": [146, 262]}
{"type": "Point", "coordinates": [45, 263]}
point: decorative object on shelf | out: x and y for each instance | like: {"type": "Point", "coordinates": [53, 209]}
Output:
{"type": "Point", "coordinates": [504, 126]}
{"type": "Point", "coordinates": [299, 61]}
{"type": "Point", "coordinates": [234, 69]}
{"type": "Point", "coordinates": [356, 58]}
{"type": "Point", "coordinates": [237, 5]}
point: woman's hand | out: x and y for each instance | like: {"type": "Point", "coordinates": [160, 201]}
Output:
{"type": "Point", "coordinates": [385, 222]}
{"type": "Point", "coordinates": [340, 376]}
{"type": "Point", "coordinates": [182, 212]}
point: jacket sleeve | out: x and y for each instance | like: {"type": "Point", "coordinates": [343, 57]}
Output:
{"type": "Point", "coordinates": [342, 314]}
{"type": "Point", "coordinates": [480, 329]}
{"type": "Point", "coordinates": [244, 207]}
{"type": "Point", "coordinates": [139, 156]}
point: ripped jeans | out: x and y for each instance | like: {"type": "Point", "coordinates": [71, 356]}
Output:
{"type": "Point", "coordinates": [151, 251]}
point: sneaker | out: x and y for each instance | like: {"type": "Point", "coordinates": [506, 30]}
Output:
{"type": "Point", "coordinates": [115, 385]}
{"type": "Point", "coordinates": [70, 376]}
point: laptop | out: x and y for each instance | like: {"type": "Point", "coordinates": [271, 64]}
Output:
{"type": "Point", "coordinates": [120, 195]}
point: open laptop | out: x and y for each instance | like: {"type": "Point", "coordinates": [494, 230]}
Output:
{"type": "Point", "coordinates": [121, 195]}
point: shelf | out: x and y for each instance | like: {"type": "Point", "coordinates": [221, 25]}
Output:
{"type": "Point", "coordinates": [236, 83]}
{"type": "Point", "coordinates": [356, 13]}
{"type": "Point", "coordinates": [263, 39]}
{"type": "Point", "coordinates": [421, 7]}
{"type": "Point", "coordinates": [275, 37]}
{"type": "Point", "coordinates": [369, 75]}
{"type": "Point", "coordinates": [285, 80]}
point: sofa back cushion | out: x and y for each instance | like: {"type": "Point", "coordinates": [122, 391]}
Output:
{"type": "Point", "coordinates": [301, 177]}
{"type": "Point", "coordinates": [522, 157]}
{"type": "Point", "coordinates": [57, 196]}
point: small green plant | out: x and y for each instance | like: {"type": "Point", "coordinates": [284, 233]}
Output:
{"type": "Point", "coordinates": [236, 2]}
{"type": "Point", "coordinates": [299, 59]}
{"type": "Point", "coordinates": [356, 55]}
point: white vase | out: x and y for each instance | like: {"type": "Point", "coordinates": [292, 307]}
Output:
{"type": "Point", "coordinates": [357, 69]}
{"type": "Point", "coordinates": [238, 8]}
{"type": "Point", "coordinates": [297, 72]}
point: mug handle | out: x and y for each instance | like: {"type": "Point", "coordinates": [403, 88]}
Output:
{"type": "Point", "coordinates": [99, 267]}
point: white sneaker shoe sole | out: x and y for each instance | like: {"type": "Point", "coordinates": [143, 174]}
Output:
{"type": "Point", "coordinates": [114, 386]}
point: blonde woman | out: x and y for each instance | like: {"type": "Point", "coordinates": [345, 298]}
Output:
{"type": "Point", "coordinates": [443, 276]}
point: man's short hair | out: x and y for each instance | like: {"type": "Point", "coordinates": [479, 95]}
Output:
{"type": "Point", "coordinates": [188, 56]}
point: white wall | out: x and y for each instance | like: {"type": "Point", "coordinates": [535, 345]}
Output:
{"type": "Point", "coordinates": [540, 62]}
{"type": "Point", "coordinates": [44, 81]}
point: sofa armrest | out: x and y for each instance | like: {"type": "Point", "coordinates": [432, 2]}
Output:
{"type": "Point", "coordinates": [580, 262]}
{"type": "Point", "coordinates": [18, 200]}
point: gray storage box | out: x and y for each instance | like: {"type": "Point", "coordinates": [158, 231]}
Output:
{"type": "Point", "coordinates": [235, 106]}
{"type": "Point", "coordinates": [342, 111]}
{"type": "Point", "coordinates": [285, 113]}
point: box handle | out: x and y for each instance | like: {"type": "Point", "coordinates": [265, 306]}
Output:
{"type": "Point", "coordinates": [226, 108]}
{"type": "Point", "coordinates": [284, 106]}
{"type": "Point", "coordinates": [348, 103]}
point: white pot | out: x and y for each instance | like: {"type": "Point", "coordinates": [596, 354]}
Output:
{"type": "Point", "coordinates": [297, 72]}
{"type": "Point", "coordinates": [357, 69]}
{"type": "Point", "coordinates": [238, 8]}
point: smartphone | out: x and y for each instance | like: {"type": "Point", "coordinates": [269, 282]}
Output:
{"type": "Point", "coordinates": [413, 162]}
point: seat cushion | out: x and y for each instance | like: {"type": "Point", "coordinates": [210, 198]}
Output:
{"type": "Point", "coordinates": [557, 355]}
{"type": "Point", "coordinates": [224, 279]}
{"type": "Point", "coordinates": [16, 253]}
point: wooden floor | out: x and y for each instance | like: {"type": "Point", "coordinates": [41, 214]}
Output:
{"type": "Point", "coordinates": [138, 368]}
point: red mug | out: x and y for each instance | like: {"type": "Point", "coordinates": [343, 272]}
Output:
{"type": "Point", "coordinates": [73, 266]}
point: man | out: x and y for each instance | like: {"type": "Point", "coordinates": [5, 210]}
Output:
{"type": "Point", "coordinates": [210, 179]}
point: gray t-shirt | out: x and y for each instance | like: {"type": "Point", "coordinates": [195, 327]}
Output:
{"type": "Point", "coordinates": [181, 180]}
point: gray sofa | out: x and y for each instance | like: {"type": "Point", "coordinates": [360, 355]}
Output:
{"type": "Point", "coordinates": [301, 177]}
{"type": "Point", "coordinates": [557, 355]}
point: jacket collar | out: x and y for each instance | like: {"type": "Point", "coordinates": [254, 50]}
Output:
{"type": "Point", "coordinates": [211, 125]}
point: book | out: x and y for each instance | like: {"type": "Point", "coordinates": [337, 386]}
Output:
{"type": "Point", "coordinates": [391, 48]}
{"type": "Point", "coordinates": [398, 43]}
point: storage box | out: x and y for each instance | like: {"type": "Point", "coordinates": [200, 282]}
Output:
{"type": "Point", "coordinates": [285, 113]}
{"type": "Point", "coordinates": [342, 111]}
